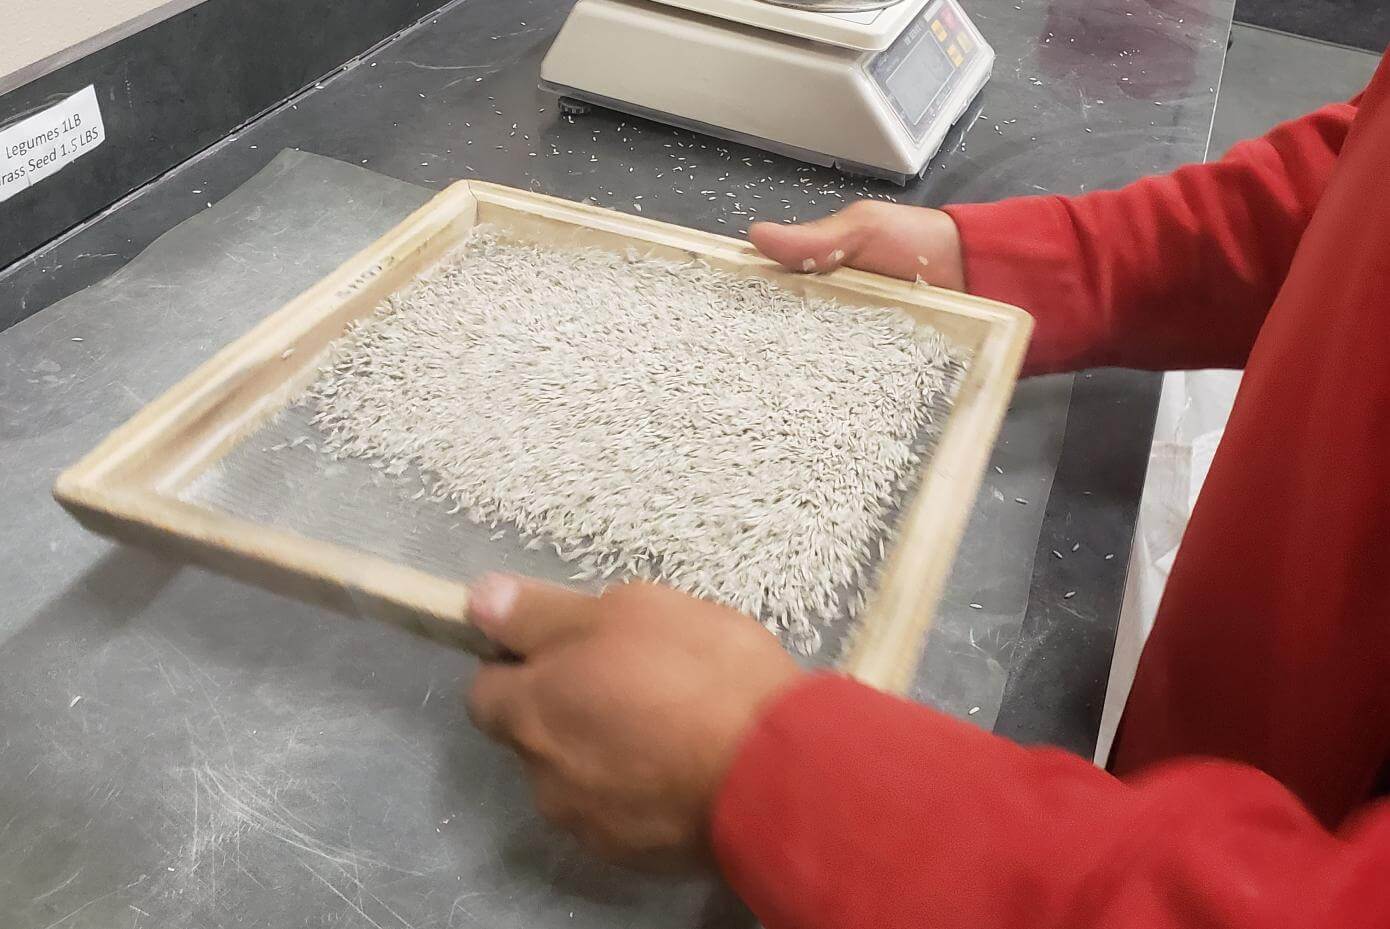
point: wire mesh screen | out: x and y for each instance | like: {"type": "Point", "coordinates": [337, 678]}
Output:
{"type": "Point", "coordinates": [280, 476]}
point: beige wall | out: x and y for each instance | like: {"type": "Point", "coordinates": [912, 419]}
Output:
{"type": "Point", "coordinates": [36, 31]}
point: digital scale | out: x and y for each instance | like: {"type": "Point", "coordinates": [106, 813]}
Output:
{"type": "Point", "coordinates": [868, 86]}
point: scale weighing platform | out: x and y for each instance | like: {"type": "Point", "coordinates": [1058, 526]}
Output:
{"type": "Point", "coordinates": [867, 87]}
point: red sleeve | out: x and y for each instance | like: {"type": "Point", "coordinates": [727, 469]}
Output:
{"type": "Point", "coordinates": [1173, 271]}
{"type": "Point", "coordinates": [847, 808]}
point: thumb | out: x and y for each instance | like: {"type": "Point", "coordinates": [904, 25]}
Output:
{"type": "Point", "coordinates": [893, 239]}
{"type": "Point", "coordinates": [822, 245]}
{"type": "Point", "coordinates": [525, 616]}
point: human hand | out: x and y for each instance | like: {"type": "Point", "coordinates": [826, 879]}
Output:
{"type": "Point", "coordinates": [627, 709]}
{"type": "Point", "coordinates": [887, 238]}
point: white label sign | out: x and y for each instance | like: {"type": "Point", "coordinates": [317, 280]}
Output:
{"type": "Point", "coordinates": [46, 142]}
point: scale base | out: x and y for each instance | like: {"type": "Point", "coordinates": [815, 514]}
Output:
{"type": "Point", "coordinates": [569, 106]}
{"type": "Point", "coordinates": [576, 102]}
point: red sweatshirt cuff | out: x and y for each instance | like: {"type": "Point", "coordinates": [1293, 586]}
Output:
{"type": "Point", "coordinates": [1024, 252]}
{"type": "Point", "coordinates": [814, 816]}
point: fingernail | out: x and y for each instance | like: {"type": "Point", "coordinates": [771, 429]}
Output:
{"type": "Point", "coordinates": [493, 597]}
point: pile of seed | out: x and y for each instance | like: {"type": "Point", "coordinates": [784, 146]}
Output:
{"type": "Point", "coordinates": [649, 418]}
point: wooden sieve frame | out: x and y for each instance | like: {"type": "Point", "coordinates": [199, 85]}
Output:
{"type": "Point", "coordinates": [128, 487]}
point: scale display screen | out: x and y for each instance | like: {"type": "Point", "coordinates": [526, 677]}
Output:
{"type": "Point", "coordinates": [918, 71]}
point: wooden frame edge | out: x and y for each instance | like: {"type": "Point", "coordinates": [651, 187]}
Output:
{"type": "Point", "coordinates": [888, 643]}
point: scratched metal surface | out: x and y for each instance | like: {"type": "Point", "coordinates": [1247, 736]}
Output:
{"type": "Point", "coordinates": [237, 759]}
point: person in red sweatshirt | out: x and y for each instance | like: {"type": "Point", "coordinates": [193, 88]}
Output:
{"type": "Point", "coordinates": [1243, 785]}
